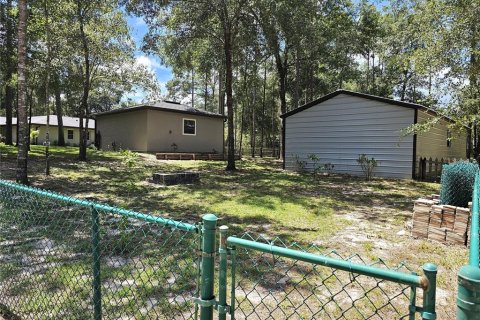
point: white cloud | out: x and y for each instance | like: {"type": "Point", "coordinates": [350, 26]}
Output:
{"type": "Point", "coordinates": [147, 62]}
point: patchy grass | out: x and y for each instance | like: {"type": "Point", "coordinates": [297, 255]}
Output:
{"type": "Point", "coordinates": [348, 214]}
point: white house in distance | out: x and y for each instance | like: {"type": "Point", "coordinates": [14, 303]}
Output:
{"type": "Point", "coordinates": [39, 123]}
{"type": "Point", "coordinates": [163, 126]}
{"type": "Point", "coordinates": [340, 126]}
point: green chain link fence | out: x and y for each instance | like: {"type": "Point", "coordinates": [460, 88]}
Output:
{"type": "Point", "coordinates": [457, 183]}
{"type": "Point", "coordinates": [468, 297]}
{"type": "Point", "coordinates": [276, 280]}
{"type": "Point", "coordinates": [64, 258]}
{"type": "Point", "coordinates": [54, 249]}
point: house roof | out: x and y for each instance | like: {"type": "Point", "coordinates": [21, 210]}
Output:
{"type": "Point", "coordinates": [361, 95]}
{"type": "Point", "coordinates": [164, 106]}
{"type": "Point", "coordinates": [71, 122]}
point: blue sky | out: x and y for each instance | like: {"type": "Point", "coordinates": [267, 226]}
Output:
{"type": "Point", "coordinates": [138, 29]}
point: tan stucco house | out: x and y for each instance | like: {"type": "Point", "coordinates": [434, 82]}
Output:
{"type": "Point", "coordinates": [340, 126]}
{"type": "Point", "coordinates": [160, 127]}
{"type": "Point", "coordinates": [39, 123]}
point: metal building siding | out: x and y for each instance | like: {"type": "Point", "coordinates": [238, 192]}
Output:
{"type": "Point", "coordinates": [340, 129]}
{"type": "Point", "coordinates": [433, 143]}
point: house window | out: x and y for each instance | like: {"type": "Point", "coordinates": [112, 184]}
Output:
{"type": "Point", "coordinates": [449, 138]}
{"type": "Point", "coordinates": [189, 127]}
{"type": "Point", "coordinates": [70, 134]}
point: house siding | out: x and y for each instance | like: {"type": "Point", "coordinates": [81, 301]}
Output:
{"type": "Point", "coordinates": [338, 130]}
{"type": "Point", "coordinates": [127, 130]}
{"type": "Point", "coordinates": [53, 130]}
{"type": "Point", "coordinates": [433, 143]}
{"type": "Point", "coordinates": [155, 131]}
{"type": "Point", "coordinates": [166, 128]}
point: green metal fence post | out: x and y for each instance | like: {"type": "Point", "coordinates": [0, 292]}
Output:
{"type": "Point", "coordinates": [468, 297]}
{"type": "Point", "coordinates": [233, 254]}
{"type": "Point", "coordinates": [208, 267]}
{"type": "Point", "coordinates": [222, 285]}
{"type": "Point", "coordinates": [428, 310]}
{"type": "Point", "coordinates": [97, 284]}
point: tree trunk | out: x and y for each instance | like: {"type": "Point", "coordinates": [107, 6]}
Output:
{"type": "Point", "coordinates": [30, 114]}
{"type": "Point", "coordinates": [59, 112]}
{"type": "Point", "coordinates": [229, 93]}
{"type": "Point", "coordinates": [193, 88]}
{"type": "Point", "coordinates": [469, 141]}
{"type": "Point", "coordinates": [47, 93]}
{"type": "Point", "coordinates": [368, 71]}
{"type": "Point", "coordinates": [262, 133]}
{"type": "Point", "coordinates": [253, 108]}
{"type": "Point", "coordinates": [373, 73]}
{"type": "Point", "coordinates": [296, 97]}
{"type": "Point", "coordinates": [404, 85]}
{"type": "Point", "coordinates": [282, 76]}
{"type": "Point", "coordinates": [242, 125]}
{"type": "Point", "coordinates": [22, 139]}
{"type": "Point", "coordinates": [221, 92]}
{"type": "Point", "coordinates": [86, 86]}
{"type": "Point", "coordinates": [206, 90]}
{"type": "Point", "coordinates": [9, 89]}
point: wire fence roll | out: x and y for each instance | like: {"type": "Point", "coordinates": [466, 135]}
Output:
{"type": "Point", "coordinates": [63, 258]}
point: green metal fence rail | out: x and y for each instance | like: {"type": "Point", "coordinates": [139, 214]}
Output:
{"type": "Point", "coordinates": [468, 297]}
{"type": "Point", "coordinates": [272, 280]}
{"type": "Point", "coordinates": [65, 258]}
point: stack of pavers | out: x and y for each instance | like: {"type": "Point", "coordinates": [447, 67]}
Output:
{"type": "Point", "coordinates": [441, 223]}
{"type": "Point", "coordinates": [421, 217]}
{"type": "Point", "coordinates": [436, 229]}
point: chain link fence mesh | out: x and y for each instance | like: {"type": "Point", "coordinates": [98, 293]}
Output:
{"type": "Point", "coordinates": [148, 270]}
{"type": "Point", "coordinates": [60, 257]}
{"type": "Point", "coordinates": [273, 287]}
{"type": "Point", "coordinates": [457, 183]}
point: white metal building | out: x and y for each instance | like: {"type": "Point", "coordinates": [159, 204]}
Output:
{"type": "Point", "coordinates": [340, 126]}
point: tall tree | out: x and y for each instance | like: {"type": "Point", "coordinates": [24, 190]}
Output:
{"type": "Point", "coordinates": [185, 23]}
{"type": "Point", "coordinates": [23, 134]}
{"type": "Point", "coordinates": [8, 65]}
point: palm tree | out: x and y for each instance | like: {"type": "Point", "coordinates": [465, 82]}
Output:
{"type": "Point", "coordinates": [22, 139]}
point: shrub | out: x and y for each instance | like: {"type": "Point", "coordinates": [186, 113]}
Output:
{"type": "Point", "coordinates": [129, 158]}
{"type": "Point", "coordinates": [457, 183]}
{"type": "Point", "coordinates": [319, 168]}
{"type": "Point", "coordinates": [367, 165]}
{"type": "Point", "coordinates": [300, 164]}
{"type": "Point", "coordinates": [34, 134]}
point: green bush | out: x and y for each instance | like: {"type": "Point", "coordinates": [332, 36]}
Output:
{"type": "Point", "coordinates": [367, 165]}
{"type": "Point", "coordinates": [457, 183]}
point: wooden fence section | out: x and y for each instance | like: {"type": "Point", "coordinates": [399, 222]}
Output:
{"type": "Point", "coordinates": [431, 169]}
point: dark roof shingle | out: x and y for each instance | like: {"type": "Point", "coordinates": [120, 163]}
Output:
{"type": "Point", "coordinates": [163, 106]}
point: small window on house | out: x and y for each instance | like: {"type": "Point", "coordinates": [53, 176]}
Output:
{"type": "Point", "coordinates": [70, 134]}
{"type": "Point", "coordinates": [189, 127]}
{"type": "Point", "coordinates": [449, 138]}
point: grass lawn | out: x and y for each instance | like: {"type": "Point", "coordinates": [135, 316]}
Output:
{"type": "Point", "coordinates": [337, 212]}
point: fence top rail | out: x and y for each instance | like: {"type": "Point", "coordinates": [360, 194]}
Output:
{"type": "Point", "coordinates": [474, 259]}
{"type": "Point", "coordinates": [87, 203]}
{"type": "Point", "coordinates": [345, 265]}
